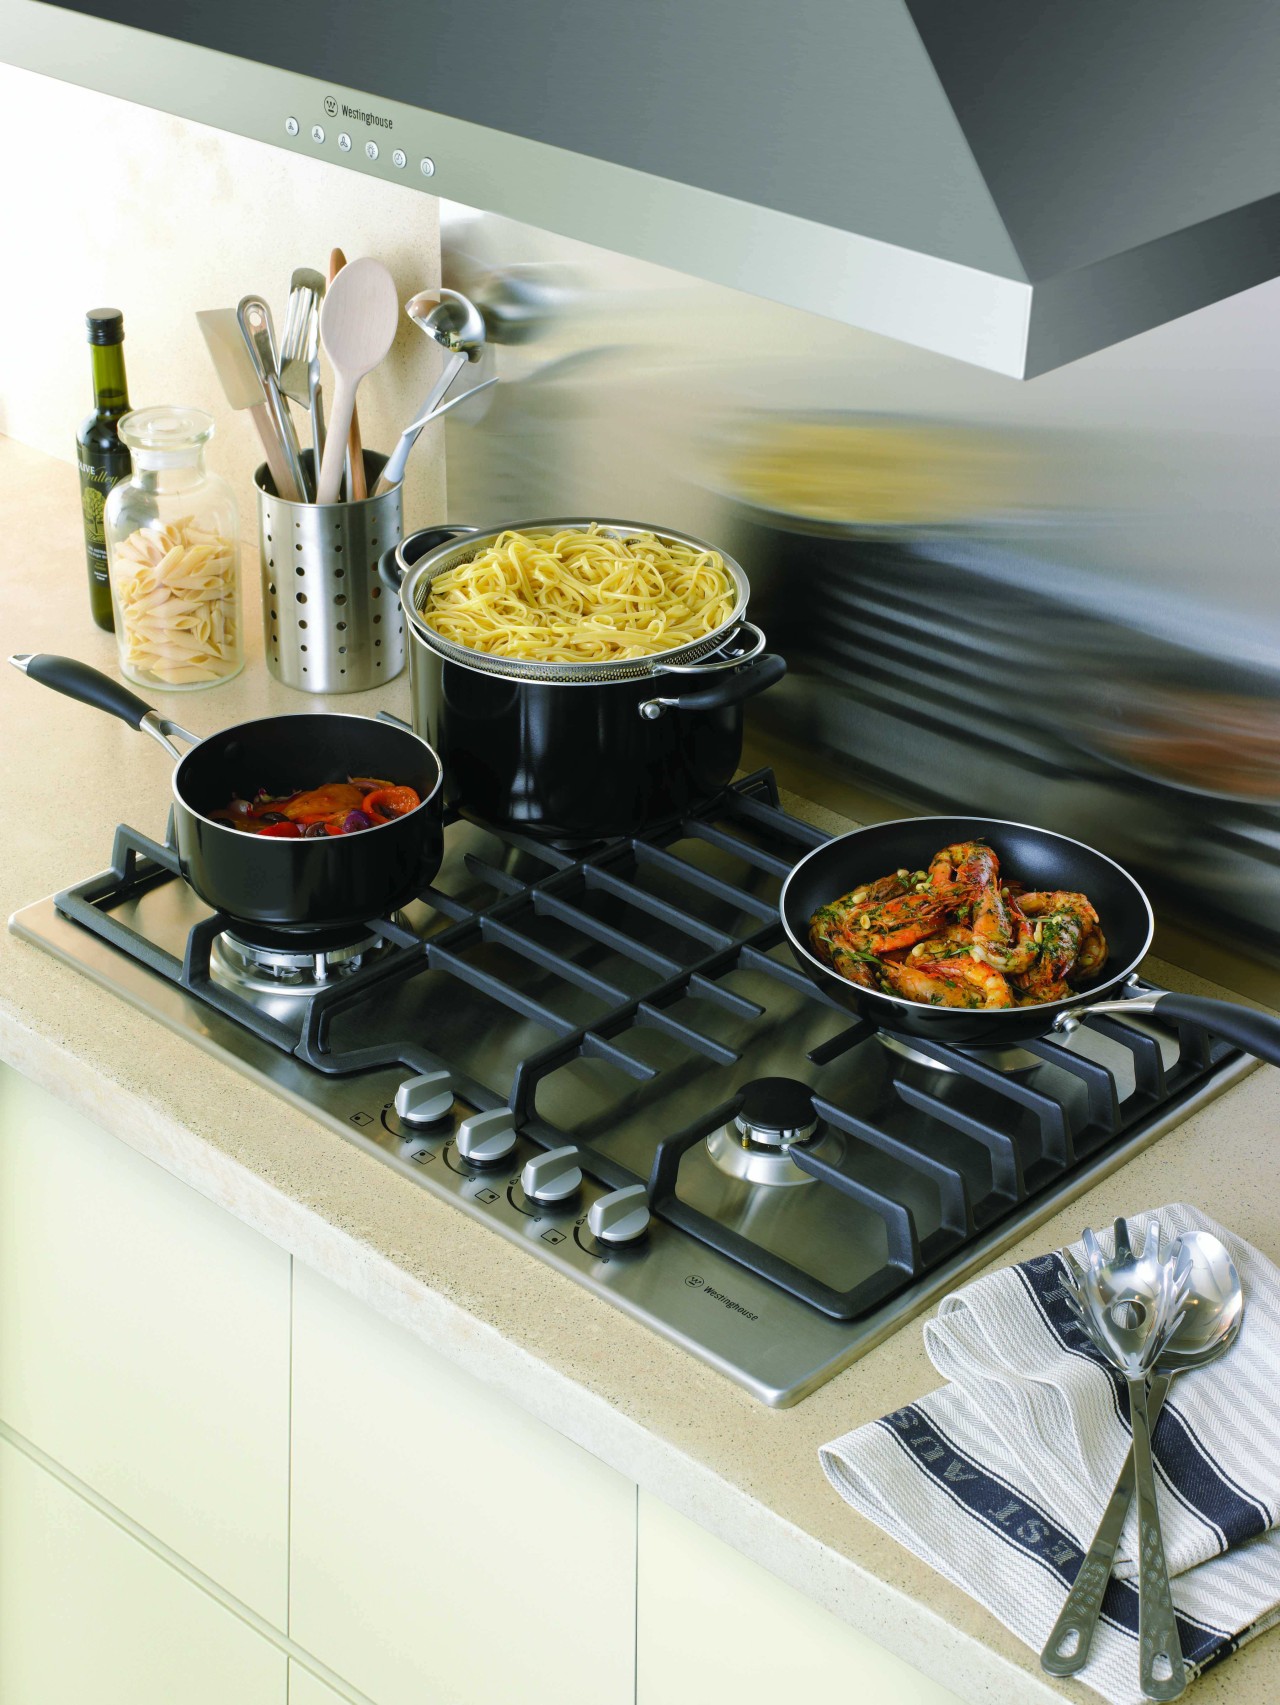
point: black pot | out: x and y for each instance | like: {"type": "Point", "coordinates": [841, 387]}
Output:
{"type": "Point", "coordinates": [270, 887]}
{"type": "Point", "coordinates": [540, 748]}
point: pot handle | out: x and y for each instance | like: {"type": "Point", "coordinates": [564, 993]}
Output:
{"type": "Point", "coordinates": [735, 678]}
{"type": "Point", "coordinates": [392, 567]}
{"type": "Point", "coordinates": [76, 680]}
{"type": "Point", "coordinates": [1245, 1027]}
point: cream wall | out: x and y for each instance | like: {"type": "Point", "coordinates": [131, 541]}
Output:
{"type": "Point", "coordinates": [103, 202]}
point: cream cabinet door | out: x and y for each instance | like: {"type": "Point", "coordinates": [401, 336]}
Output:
{"type": "Point", "coordinates": [88, 1616]}
{"type": "Point", "coordinates": [447, 1549]}
{"type": "Point", "coordinates": [713, 1626]}
{"type": "Point", "coordinates": [306, 1689]}
{"type": "Point", "coordinates": [144, 1343]}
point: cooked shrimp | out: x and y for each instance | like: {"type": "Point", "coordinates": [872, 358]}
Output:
{"type": "Point", "coordinates": [946, 982]}
{"type": "Point", "coordinates": [1065, 922]}
{"type": "Point", "coordinates": [968, 864]}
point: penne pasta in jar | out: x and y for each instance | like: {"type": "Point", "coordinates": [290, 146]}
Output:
{"type": "Point", "coordinates": [174, 557]}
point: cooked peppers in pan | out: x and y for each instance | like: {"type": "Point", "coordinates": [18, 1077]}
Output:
{"type": "Point", "coordinates": [337, 808]}
{"type": "Point", "coordinates": [960, 935]}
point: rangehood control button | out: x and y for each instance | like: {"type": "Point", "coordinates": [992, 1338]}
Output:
{"type": "Point", "coordinates": [486, 1139]}
{"type": "Point", "coordinates": [620, 1217]}
{"type": "Point", "coordinates": [553, 1176]}
{"type": "Point", "coordinates": [423, 1100]}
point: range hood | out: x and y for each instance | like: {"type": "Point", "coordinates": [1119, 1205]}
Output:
{"type": "Point", "coordinates": [1015, 183]}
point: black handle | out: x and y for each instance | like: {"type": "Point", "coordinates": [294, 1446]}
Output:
{"type": "Point", "coordinates": [394, 564]}
{"type": "Point", "coordinates": [76, 680]}
{"type": "Point", "coordinates": [1256, 1032]}
{"type": "Point", "coordinates": [732, 687]}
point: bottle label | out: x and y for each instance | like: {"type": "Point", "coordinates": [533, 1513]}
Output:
{"type": "Point", "coordinates": [96, 480]}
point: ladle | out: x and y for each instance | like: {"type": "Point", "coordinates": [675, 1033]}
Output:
{"type": "Point", "coordinates": [456, 324]}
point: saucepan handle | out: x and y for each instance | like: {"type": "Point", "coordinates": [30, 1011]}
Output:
{"type": "Point", "coordinates": [392, 565]}
{"type": "Point", "coordinates": [1244, 1027]}
{"type": "Point", "coordinates": [76, 680]}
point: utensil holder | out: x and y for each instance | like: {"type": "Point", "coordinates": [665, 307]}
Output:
{"type": "Point", "coordinates": [330, 626]}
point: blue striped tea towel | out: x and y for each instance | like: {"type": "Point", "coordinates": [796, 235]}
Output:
{"type": "Point", "coordinates": [999, 1478]}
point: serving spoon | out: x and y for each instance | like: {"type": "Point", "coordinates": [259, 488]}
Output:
{"type": "Point", "coordinates": [358, 322]}
{"type": "Point", "coordinates": [1131, 1305]}
{"type": "Point", "coordinates": [1213, 1310]}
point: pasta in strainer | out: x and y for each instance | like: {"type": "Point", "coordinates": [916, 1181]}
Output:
{"type": "Point", "coordinates": [177, 614]}
{"type": "Point", "coordinates": [581, 597]}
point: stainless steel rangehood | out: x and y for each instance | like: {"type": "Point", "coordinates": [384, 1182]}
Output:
{"type": "Point", "coordinates": [1012, 182]}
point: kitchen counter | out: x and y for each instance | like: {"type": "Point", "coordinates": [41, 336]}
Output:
{"type": "Point", "coordinates": [746, 1473]}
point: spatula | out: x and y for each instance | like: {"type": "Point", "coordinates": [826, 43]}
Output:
{"type": "Point", "coordinates": [243, 389]}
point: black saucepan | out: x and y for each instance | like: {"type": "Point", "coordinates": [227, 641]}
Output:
{"type": "Point", "coordinates": [269, 886]}
{"type": "Point", "coordinates": [1041, 860]}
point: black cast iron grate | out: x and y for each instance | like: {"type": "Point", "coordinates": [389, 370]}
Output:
{"type": "Point", "coordinates": [747, 829]}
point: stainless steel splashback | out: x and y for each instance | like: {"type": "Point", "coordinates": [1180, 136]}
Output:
{"type": "Point", "coordinates": [1053, 601]}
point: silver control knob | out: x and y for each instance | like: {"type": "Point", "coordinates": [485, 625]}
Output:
{"type": "Point", "coordinates": [486, 1139]}
{"type": "Point", "coordinates": [423, 1100]}
{"type": "Point", "coordinates": [620, 1217]}
{"type": "Point", "coordinates": [553, 1176]}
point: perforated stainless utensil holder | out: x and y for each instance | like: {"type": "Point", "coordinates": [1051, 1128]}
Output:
{"type": "Point", "coordinates": [329, 623]}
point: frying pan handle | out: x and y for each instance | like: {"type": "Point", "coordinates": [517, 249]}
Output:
{"type": "Point", "coordinates": [393, 565]}
{"type": "Point", "coordinates": [1258, 1033]}
{"type": "Point", "coordinates": [76, 680]}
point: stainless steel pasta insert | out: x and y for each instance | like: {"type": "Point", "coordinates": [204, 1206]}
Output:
{"type": "Point", "coordinates": [330, 625]}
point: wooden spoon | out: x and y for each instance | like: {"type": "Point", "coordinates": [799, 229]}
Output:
{"type": "Point", "coordinates": [358, 322]}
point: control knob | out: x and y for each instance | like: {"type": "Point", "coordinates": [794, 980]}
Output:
{"type": "Point", "coordinates": [620, 1217]}
{"type": "Point", "coordinates": [552, 1176]}
{"type": "Point", "coordinates": [424, 1100]}
{"type": "Point", "coordinates": [486, 1139]}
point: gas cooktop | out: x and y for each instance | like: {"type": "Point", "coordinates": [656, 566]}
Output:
{"type": "Point", "coordinates": [608, 1056]}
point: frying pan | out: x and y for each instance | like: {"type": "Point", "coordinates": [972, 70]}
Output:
{"type": "Point", "coordinates": [1041, 860]}
{"type": "Point", "coordinates": [272, 887]}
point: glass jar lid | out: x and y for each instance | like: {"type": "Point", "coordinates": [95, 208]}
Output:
{"type": "Point", "coordinates": [166, 437]}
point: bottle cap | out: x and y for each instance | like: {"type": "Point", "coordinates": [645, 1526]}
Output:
{"type": "Point", "coordinates": [105, 325]}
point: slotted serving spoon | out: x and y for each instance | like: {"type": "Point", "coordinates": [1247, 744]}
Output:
{"type": "Point", "coordinates": [1212, 1314]}
{"type": "Point", "coordinates": [357, 327]}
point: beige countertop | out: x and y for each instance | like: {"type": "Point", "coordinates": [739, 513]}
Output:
{"type": "Point", "coordinates": [747, 1473]}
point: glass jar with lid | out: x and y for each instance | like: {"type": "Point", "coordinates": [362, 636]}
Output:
{"type": "Point", "coordinates": [173, 556]}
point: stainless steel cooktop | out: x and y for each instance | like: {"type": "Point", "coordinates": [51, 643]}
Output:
{"type": "Point", "coordinates": [608, 1057]}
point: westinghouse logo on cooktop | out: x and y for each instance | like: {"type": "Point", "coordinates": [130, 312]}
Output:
{"type": "Point", "coordinates": [696, 1283]}
{"type": "Point", "coordinates": [375, 120]}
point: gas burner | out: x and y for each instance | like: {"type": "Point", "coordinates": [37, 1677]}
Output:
{"type": "Point", "coordinates": [776, 1115]}
{"type": "Point", "coordinates": [1011, 1061]}
{"type": "Point", "coordinates": [286, 967]}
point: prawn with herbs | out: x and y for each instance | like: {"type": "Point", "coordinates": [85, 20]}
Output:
{"type": "Point", "coordinates": [961, 934]}
{"type": "Point", "coordinates": [336, 808]}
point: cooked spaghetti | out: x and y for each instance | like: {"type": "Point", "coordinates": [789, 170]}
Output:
{"type": "Point", "coordinates": [581, 597]}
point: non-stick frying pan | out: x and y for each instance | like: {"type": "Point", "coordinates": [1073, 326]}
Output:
{"type": "Point", "coordinates": [1041, 860]}
{"type": "Point", "coordinates": [270, 887]}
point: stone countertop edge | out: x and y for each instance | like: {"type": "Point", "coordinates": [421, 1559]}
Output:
{"type": "Point", "coordinates": [746, 1473]}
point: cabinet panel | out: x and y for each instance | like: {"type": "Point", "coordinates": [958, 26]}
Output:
{"type": "Point", "coordinates": [304, 1689]}
{"type": "Point", "coordinates": [446, 1546]}
{"type": "Point", "coordinates": [87, 1614]}
{"type": "Point", "coordinates": [144, 1343]}
{"type": "Point", "coordinates": [713, 1625]}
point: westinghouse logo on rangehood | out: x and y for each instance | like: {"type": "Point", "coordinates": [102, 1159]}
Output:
{"type": "Point", "coordinates": [333, 106]}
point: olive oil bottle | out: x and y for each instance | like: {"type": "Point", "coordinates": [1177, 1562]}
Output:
{"type": "Point", "coordinates": [102, 459]}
